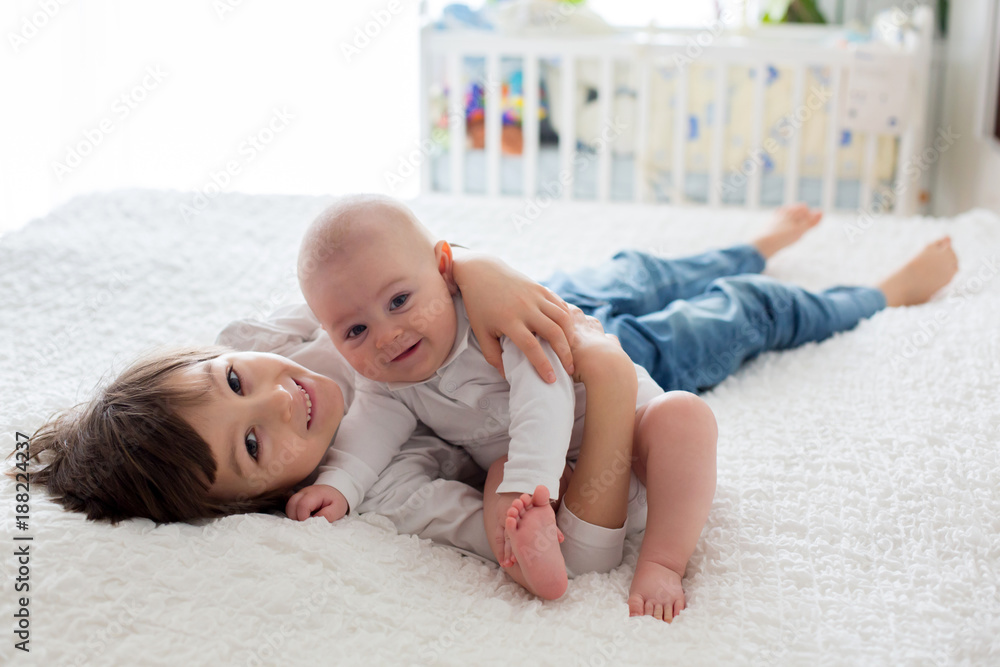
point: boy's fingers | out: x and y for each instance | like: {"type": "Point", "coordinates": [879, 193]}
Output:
{"type": "Point", "coordinates": [292, 507]}
{"type": "Point", "coordinates": [556, 300]}
{"type": "Point", "coordinates": [492, 352]}
{"type": "Point", "coordinates": [558, 340]}
{"type": "Point", "coordinates": [328, 513]}
{"type": "Point", "coordinates": [532, 349]}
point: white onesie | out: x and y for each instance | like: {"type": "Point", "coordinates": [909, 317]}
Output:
{"type": "Point", "coordinates": [468, 403]}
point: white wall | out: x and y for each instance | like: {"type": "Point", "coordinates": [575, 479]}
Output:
{"type": "Point", "coordinates": [226, 65]}
{"type": "Point", "coordinates": [969, 173]}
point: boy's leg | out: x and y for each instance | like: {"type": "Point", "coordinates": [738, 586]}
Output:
{"type": "Point", "coordinates": [675, 444]}
{"type": "Point", "coordinates": [694, 344]}
{"type": "Point", "coordinates": [636, 283]}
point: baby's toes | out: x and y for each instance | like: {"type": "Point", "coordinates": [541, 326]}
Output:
{"type": "Point", "coordinates": [526, 502]}
{"type": "Point", "coordinates": [636, 605]}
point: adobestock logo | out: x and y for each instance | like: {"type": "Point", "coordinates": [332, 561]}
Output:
{"type": "Point", "coordinates": [381, 18]}
{"type": "Point", "coordinates": [121, 109]}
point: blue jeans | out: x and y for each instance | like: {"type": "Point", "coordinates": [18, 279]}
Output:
{"type": "Point", "coordinates": [691, 322]}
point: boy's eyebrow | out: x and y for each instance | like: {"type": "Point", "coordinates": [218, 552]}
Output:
{"type": "Point", "coordinates": [217, 385]}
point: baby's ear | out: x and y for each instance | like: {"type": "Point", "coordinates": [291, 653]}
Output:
{"type": "Point", "coordinates": [446, 265]}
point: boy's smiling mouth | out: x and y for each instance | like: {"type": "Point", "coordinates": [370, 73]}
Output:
{"type": "Point", "coordinates": [307, 402]}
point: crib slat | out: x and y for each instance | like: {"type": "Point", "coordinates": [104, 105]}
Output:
{"type": "Point", "coordinates": [868, 172]}
{"type": "Point", "coordinates": [456, 122]}
{"type": "Point", "coordinates": [795, 145]}
{"type": "Point", "coordinates": [605, 97]}
{"type": "Point", "coordinates": [567, 133]}
{"type": "Point", "coordinates": [718, 136]}
{"type": "Point", "coordinates": [641, 152]}
{"type": "Point", "coordinates": [529, 124]}
{"type": "Point", "coordinates": [680, 134]}
{"type": "Point", "coordinates": [756, 138]}
{"type": "Point", "coordinates": [494, 102]}
{"type": "Point", "coordinates": [828, 196]}
{"type": "Point", "coordinates": [425, 121]}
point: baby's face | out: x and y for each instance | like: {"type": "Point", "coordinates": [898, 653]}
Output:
{"type": "Point", "coordinates": [387, 308]}
{"type": "Point", "coordinates": [267, 420]}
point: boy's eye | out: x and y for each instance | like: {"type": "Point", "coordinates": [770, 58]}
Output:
{"type": "Point", "coordinates": [234, 381]}
{"type": "Point", "coordinates": [251, 444]}
{"type": "Point", "coordinates": [398, 301]}
{"type": "Point", "coordinates": [356, 330]}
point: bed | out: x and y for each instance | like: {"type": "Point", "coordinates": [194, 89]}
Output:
{"type": "Point", "coordinates": [856, 521]}
{"type": "Point", "coordinates": [819, 114]}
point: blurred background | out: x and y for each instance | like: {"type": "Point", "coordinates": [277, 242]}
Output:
{"type": "Point", "coordinates": [109, 94]}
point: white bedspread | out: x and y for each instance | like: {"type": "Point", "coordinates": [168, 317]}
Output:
{"type": "Point", "coordinates": [857, 517]}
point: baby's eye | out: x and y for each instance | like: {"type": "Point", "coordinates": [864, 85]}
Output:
{"type": "Point", "coordinates": [234, 381]}
{"type": "Point", "coordinates": [398, 301]}
{"type": "Point", "coordinates": [356, 330]}
{"type": "Point", "coordinates": [251, 444]}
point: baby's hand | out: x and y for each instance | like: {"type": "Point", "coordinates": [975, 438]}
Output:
{"type": "Point", "coordinates": [317, 500]}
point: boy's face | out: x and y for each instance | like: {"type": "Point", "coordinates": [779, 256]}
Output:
{"type": "Point", "coordinates": [387, 307]}
{"type": "Point", "coordinates": [267, 420]}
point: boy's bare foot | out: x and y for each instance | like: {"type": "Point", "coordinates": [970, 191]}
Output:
{"type": "Point", "coordinates": [790, 223]}
{"type": "Point", "coordinates": [655, 591]}
{"type": "Point", "coordinates": [534, 542]}
{"type": "Point", "coordinates": [918, 280]}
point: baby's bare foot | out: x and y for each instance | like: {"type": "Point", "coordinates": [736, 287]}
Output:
{"type": "Point", "coordinates": [918, 280]}
{"type": "Point", "coordinates": [534, 543]}
{"type": "Point", "coordinates": [655, 591]}
{"type": "Point", "coordinates": [790, 223]}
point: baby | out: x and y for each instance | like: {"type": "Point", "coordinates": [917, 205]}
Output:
{"type": "Point", "coordinates": [383, 290]}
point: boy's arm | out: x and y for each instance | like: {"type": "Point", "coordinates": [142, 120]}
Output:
{"type": "Point", "coordinates": [370, 435]}
{"type": "Point", "coordinates": [503, 302]}
{"type": "Point", "coordinates": [541, 425]}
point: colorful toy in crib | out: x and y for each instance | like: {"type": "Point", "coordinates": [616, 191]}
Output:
{"type": "Point", "coordinates": [512, 105]}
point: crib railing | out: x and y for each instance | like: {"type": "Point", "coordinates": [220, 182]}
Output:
{"type": "Point", "coordinates": [767, 47]}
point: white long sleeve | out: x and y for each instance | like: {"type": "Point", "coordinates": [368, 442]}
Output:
{"type": "Point", "coordinates": [541, 423]}
{"type": "Point", "coordinates": [370, 435]}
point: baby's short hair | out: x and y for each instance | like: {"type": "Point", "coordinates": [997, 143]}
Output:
{"type": "Point", "coordinates": [128, 453]}
{"type": "Point", "coordinates": [331, 230]}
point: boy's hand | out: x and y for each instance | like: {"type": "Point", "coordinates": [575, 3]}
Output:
{"type": "Point", "coordinates": [503, 302]}
{"type": "Point", "coordinates": [317, 500]}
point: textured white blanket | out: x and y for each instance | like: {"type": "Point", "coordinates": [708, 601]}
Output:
{"type": "Point", "coordinates": [857, 518]}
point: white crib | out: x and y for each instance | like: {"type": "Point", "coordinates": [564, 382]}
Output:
{"type": "Point", "coordinates": [675, 149]}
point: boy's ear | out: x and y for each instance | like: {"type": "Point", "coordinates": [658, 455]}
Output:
{"type": "Point", "coordinates": [446, 265]}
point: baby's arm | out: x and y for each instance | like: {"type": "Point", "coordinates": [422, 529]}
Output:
{"type": "Point", "coordinates": [369, 436]}
{"type": "Point", "coordinates": [503, 302]}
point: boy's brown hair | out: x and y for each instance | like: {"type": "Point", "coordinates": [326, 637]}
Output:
{"type": "Point", "coordinates": [127, 453]}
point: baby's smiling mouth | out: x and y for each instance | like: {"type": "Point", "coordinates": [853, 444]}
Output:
{"type": "Point", "coordinates": [405, 354]}
{"type": "Point", "coordinates": [309, 403]}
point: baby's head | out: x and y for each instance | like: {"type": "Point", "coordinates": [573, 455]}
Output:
{"type": "Point", "coordinates": [381, 287]}
{"type": "Point", "coordinates": [190, 433]}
